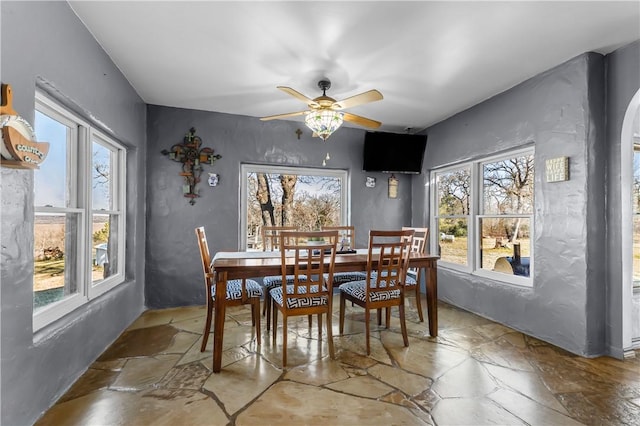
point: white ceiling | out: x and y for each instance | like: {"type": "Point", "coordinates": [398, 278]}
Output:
{"type": "Point", "coordinates": [429, 59]}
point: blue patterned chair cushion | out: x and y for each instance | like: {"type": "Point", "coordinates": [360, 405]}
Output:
{"type": "Point", "coordinates": [303, 302]}
{"type": "Point", "coordinates": [409, 280]}
{"type": "Point", "coordinates": [234, 289]}
{"type": "Point", "coordinates": [276, 280]}
{"type": "Point", "coordinates": [345, 277]}
{"type": "Point", "coordinates": [357, 289]}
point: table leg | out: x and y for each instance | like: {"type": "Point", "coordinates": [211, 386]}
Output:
{"type": "Point", "coordinates": [432, 299]}
{"type": "Point", "coordinates": [218, 323]}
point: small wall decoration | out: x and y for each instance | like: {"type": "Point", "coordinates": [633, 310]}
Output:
{"type": "Point", "coordinates": [213, 179]}
{"type": "Point", "coordinates": [393, 187]}
{"type": "Point", "coordinates": [18, 147]}
{"type": "Point", "coordinates": [192, 158]}
{"type": "Point", "coordinates": [557, 169]}
{"type": "Point", "coordinates": [371, 182]}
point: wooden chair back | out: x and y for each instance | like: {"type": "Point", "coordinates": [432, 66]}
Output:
{"type": "Point", "coordinates": [419, 245]}
{"type": "Point", "coordinates": [314, 256]}
{"type": "Point", "coordinates": [271, 236]}
{"type": "Point", "coordinates": [205, 256]}
{"type": "Point", "coordinates": [391, 250]}
{"type": "Point", "coordinates": [346, 235]}
{"type": "Point", "coordinates": [420, 238]}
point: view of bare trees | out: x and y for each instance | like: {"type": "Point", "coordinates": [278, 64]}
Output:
{"type": "Point", "coordinates": [455, 197]}
{"type": "Point", "coordinates": [507, 200]}
{"type": "Point", "coordinates": [306, 201]}
{"type": "Point", "coordinates": [508, 189]}
{"type": "Point", "coordinates": [455, 192]}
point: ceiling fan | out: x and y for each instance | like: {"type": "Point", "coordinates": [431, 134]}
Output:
{"type": "Point", "coordinates": [325, 114]}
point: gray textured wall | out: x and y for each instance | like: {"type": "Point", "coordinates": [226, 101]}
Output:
{"type": "Point", "coordinates": [558, 111]}
{"type": "Point", "coordinates": [174, 274]}
{"type": "Point", "coordinates": [623, 81]}
{"type": "Point", "coordinates": [44, 43]}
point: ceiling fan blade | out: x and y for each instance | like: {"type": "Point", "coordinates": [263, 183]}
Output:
{"type": "Point", "coordinates": [288, 114]}
{"type": "Point", "coordinates": [299, 96]}
{"type": "Point", "coordinates": [362, 121]}
{"type": "Point", "coordinates": [362, 98]}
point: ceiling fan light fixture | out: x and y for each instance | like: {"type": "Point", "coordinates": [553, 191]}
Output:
{"type": "Point", "coordinates": [324, 122]}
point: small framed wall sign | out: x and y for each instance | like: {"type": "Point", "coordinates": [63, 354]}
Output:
{"type": "Point", "coordinates": [557, 169]}
{"type": "Point", "coordinates": [393, 187]}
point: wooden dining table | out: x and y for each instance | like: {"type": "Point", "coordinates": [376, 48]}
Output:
{"type": "Point", "coordinates": [238, 265]}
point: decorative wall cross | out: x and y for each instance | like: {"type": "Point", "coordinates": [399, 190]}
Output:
{"type": "Point", "coordinates": [192, 158]}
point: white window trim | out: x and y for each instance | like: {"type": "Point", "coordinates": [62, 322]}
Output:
{"type": "Point", "coordinates": [80, 202]}
{"type": "Point", "coordinates": [473, 238]}
{"type": "Point", "coordinates": [246, 168]}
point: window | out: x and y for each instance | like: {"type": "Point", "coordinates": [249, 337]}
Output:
{"type": "Point", "coordinates": [484, 216]}
{"type": "Point", "coordinates": [79, 197]}
{"type": "Point", "coordinates": [303, 197]}
{"type": "Point", "coordinates": [453, 212]}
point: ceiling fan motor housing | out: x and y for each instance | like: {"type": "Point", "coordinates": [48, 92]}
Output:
{"type": "Point", "coordinates": [324, 85]}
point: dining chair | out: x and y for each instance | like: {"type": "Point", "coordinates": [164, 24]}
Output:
{"type": "Point", "coordinates": [271, 242]}
{"type": "Point", "coordinates": [346, 241]}
{"type": "Point", "coordinates": [387, 263]}
{"type": "Point", "coordinates": [412, 281]}
{"type": "Point", "coordinates": [307, 292]}
{"type": "Point", "coordinates": [419, 245]}
{"type": "Point", "coordinates": [239, 292]}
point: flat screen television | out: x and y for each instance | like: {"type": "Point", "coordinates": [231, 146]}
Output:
{"type": "Point", "coordinates": [393, 153]}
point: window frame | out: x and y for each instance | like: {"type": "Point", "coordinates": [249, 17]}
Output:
{"type": "Point", "coordinates": [476, 214]}
{"type": "Point", "coordinates": [435, 240]}
{"type": "Point", "coordinates": [119, 190]}
{"type": "Point", "coordinates": [78, 184]}
{"type": "Point", "coordinates": [246, 168]}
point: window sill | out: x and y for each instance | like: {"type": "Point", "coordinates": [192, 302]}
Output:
{"type": "Point", "coordinates": [512, 280]}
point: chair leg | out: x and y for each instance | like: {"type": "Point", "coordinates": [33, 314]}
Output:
{"type": "Point", "coordinates": [284, 339]}
{"type": "Point", "coordinates": [255, 308]}
{"type": "Point", "coordinates": [207, 325]}
{"type": "Point", "coordinates": [319, 326]}
{"type": "Point", "coordinates": [403, 324]}
{"type": "Point", "coordinates": [268, 306]}
{"type": "Point", "coordinates": [253, 314]}
{"type": "Point", "coordinates": [310, 319]}
{"type": "Point", "coordinates": [367, 329]}
{"type": "Point", "coordinates": [264, 304]}
{"type": "Point", "coordinates": [343, 306]}
{"type": "Point", "coordinates": [274, 326]}
{"type": "Point", "coordinates": [379, 312]}
{"type": "Point", "coordinates": [418, 302]}
{"type": "Point", "coordinates": [387, 318]}
{"type": "Point", "coordinates": [330, 336]}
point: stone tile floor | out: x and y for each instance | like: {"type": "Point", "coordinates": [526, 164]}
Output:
{"type": "Point", "coordinates": [475, 372]}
